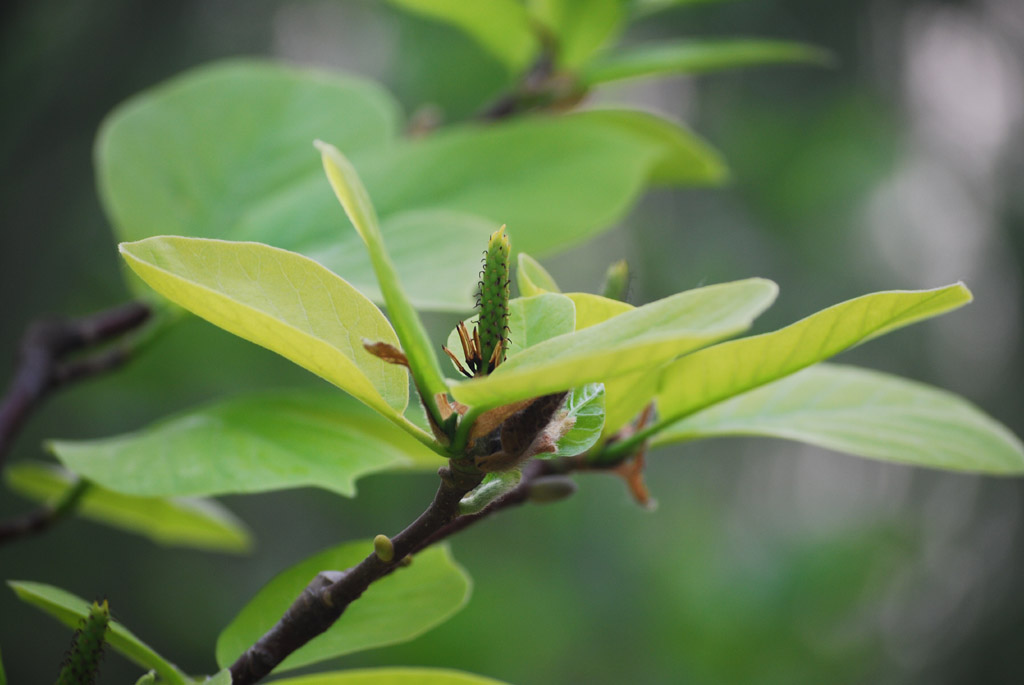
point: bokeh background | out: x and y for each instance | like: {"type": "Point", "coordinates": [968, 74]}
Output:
{"type": "Point", "coordinates": [766, 561]}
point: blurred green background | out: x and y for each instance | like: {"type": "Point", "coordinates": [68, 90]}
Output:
{"type": "Point", "coordinates": [766, 562]}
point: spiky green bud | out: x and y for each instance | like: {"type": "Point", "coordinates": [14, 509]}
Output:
{"type": "Point", "coordinates": [82, 662]}
{"type": "Point", "coordinates": [494, 293]}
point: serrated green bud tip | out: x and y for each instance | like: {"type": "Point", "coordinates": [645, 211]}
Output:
{"type": "Point", "coordinates": [492, 323]}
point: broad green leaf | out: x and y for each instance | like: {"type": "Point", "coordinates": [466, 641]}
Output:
{"type": "Point", "coordinates": [531, 320]}
{"type": "Point", "coordinates": [580, 27]}
{"type": "Point", "coordinates": [493, 486]}
{"type": "Point", "coordinates": [256, 443]}
{"type": "Point", "coordinates": [222, 151]}
{"type": "Point", "coordinates": [696, 56]}
{"type": "Point", "coordinates": [502, 27]}
{"type": "Point", "coordinates": [395, 609]}
{"type": "Point", "coordinates": [554, 180]}
{"type": "Point", "coordinates": [532, 278]}
{"type": "Point", "coordinates": [585, 407]}
{"type": "Point", "coordinates": [423, 363]}
{"type": "Point", "coordinates": [282, 301]}
{"type": "Point", "coordinates": [685, 159]}
{"type": "Point", "coordinates": [417, 241]}
{"type": "Point", "coordinates": [204, 524]}
{"type": "Point", "coordinates": [147, 679]}
{"type": "Point", "coordinates": [594, 309]}
{"type": "Point", "coordinates": [865, 413]}
{"type": "Point", "coordinates": [644, 337]}
{"type": "Point", "coordinates": [391, 676]}
{"type": "Point", "coordinates": [717, 373]}
{"type": "Point", "coordinates": [69, 610]}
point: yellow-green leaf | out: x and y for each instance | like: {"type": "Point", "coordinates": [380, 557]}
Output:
{"type": "Point", "coordinates": [282, 301]}
{"type": "Point", "coordinates": [717, 373]}
{"type": "Point", "coordinates": [199, 523]}
{"type": "Point", "coordinates": [352, 194]}
{"type": "Point", "coordinates": [580, 27]}
{"type": "Point", "coordinates": [865, 413]}
{"type": "Point", "coordinates": [644, 337]}
{"type": "Point", "coordinates": [532, 278]}
{"type": "Point", "coordinates": [502, 27]}
{"type": "Point", "coordinates": [69, 610]}
{"type": "Point", "coordinates": [698, 56]}
{"type": "Point", "coordinates": [257, 443]}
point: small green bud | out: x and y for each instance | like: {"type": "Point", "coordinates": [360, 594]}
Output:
{"type": "Point", "coordinates": [82, 662]}
{"type": "Point", "coordinates": [494, 294]}
{"type": "Point", "coordinates": [616, 281]}
{"type": "Point", "coordinates": [384, 549]}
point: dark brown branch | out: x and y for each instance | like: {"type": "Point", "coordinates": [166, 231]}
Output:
{"type": "Point", "coordinates": [540, 87]}
{"type": "Point", "coordinates": [55, 353]}
{"type": "Point", "coordinates": [43, 363]}
{"type": "Point", "coordinates": [329, 594]}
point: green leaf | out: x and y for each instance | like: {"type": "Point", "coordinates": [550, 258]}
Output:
{"type": "Point", "coordinates": [203, 524]}
{"type": "Point", "coordinates": [257, 443]}
{"type": "Point", "coordinates": [502, 27]}
{"type": "Point", "coordinates": [644, 337]}
{"type": "Point", "coordinates": [222, 677]}
{"type": "Point", "coordinates": [395, 609]}
{"type": "Point", "coordinates": [531, 320]}
{"type": "Point", "coordinates": [585, 407]}
{"type": "Point", "coordinates": [554, 180]}
{"type": "Point", "coordinates": [282, 301]}
{"type": "Point", "coordinates": [532, 278]}
{"type": "Point", "coordinates": [625, 395]}
{"type": "Point", "coordinates": [865, 413]}
{"type": "Point", "coordinates": [717, 373]}
{"type": "Point", "coordinates": [581, 27]}
{"type": "Point", "coordinates": [148, 679]}
{"type": "Point", "coordinates": [697, 56]}
{"type": "Point", "coordinates": [594, 309]}
{"type": "Point", "coordinates": [493, 486]}
{"type": "Point", "coordinates": [69, 610]}
{"type": "Point", "coordinates": [222, 151]}
{"type": "Point", "coordinates": [684, 159]}
{"type": "Point", "coordinates": [417, 241]}
{"type": "Point", "coordinates": [391, 676]}
{"type": "Point", "coordinates": [423, 363]}
{"type": "Point", "coordinates": [3, 674]}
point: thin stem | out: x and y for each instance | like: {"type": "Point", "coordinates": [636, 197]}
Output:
{"type": "Point", "coordinates": [55, 353]}
{"type": "Point", "coordinates": [43, 365]}
{"type": "Point", "coordinates": [41, 519]}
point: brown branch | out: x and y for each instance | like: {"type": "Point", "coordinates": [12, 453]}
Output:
{"type": "Point", "coordinates": [55, 353]}
{"type": "Point", "coordinates": [330, 593]}
{"type": "Point", "coordinates": [327, 596]}
{"type": "Point", "coordinates": [43, 365]}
